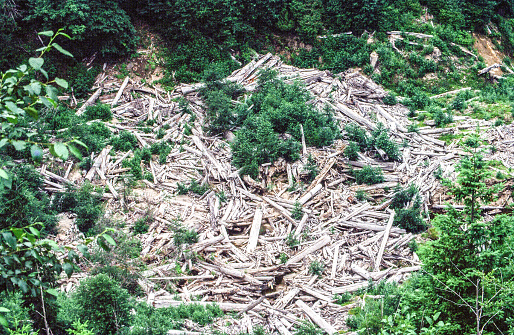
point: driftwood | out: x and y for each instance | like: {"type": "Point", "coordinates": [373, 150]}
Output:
{"type": "Point", "coordinates": [248, 240]}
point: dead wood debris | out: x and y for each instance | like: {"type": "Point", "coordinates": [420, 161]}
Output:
{"type": "Point", "coordinates": [236, 262]}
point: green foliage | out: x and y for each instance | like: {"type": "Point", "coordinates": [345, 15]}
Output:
{"type": "Point", "coordinates": [150, 320]}
{"type": "Point", "coordinates": [307, 328]}
{"type": "Point", "coordinates": [80, 328]}
{"type": "Point", "coordinates": [194, 187]}
{"type": "Point", "coordinates": [407, 204]}
{"type": "Point", "coordinates": [269, 122]}
{"type": "Point", "coordinates": [95, 136]}
{"type": "Point", "coordinates": [292, 241]}
{"type": "Point", "coordinates": [390, 99]}
{"type": "Point", "coordinates": [98, 112]}
{"type": "Point", "coordinates": [342, 299]}
{"type": "Point", "coordinates": [297, 211]}
{"type": "Point", "coordinates": [102, 303]}
{"type": "Point", "coordinates": [125, 141]}
{"type": "Point", "coordinates": [352, 151]}
{"type": "Point", "coordinates": [378, 139]}
{"type": "Point", "coordinates": [369, 175]}
{"type": "Point", "coordinates": [25, 203]}
{"type": "Point", "coordinates": [82, 202]}
{"type": "Point", "coordinates": [96, 26]}
{"type": "Point", "coordinates": [161, 149]}
{"type": "Point", "coordinates": [17, 316]}
{"type": "Point", "coordinates": [81, 79]}
{"type": "Point", "coordinates": [311, 168]}
{"type": "Point", "coordinates": [316, 268]}
{"type": "Point", "coordinates": [185, 236]}
{"type": "Point", "coordinates": [283, 258]}
{"type": "Point", "coordinates": [141, 225]}
{"type": "Point", "coordinates": [441, 118]}
{"type": "Point", "coordinates": [360, 195]}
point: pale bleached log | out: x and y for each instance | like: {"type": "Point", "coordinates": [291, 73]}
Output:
{"type": "Point", "coordinates": [319, 178]}
{"type": "Point", "coordinates": [320, 243]}
{"type": "Point", "coordinates": [360, 271]}
{"type": "Point", "coordinates": [300, 226]}
{"type": "Point", "coordinates": [369, 226]}
{"type": "Point", "coordinates": [315, 293]}
{"type": "Point", "coordinates": [489, 68]}
{"type": "Point", "coordinates": [350, 288]}
{"type": "Point", "coordinates": [390, 118]}
{"type": "Point", "coordinates": [316, 318]}
{"type": "Point", "coordinates": [89, 102]}
{"type": "Point", "coordinates": [310, 194]}
{"type": "Point", "coordinates": [120, 92]}
{"type": "Point", "coordinates": [224, 306]}
{"type": "Point", "coordinates": [450, 93]}
{"type": "Point", "coordinates": [390, 184]}
{"type": "Point", "coordinates": [352, 115]}
{"type": "Point", "coordinates": [384, 242]}
{"type": "Point", "coordinates": [334, 262]}
{"type": "Point", "coordinates": [254, 231]}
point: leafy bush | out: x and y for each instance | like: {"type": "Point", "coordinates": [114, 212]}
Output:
{"type": "Point", "coordinates": [297, 211]}
{"type": "Point", "coordinates": [352, 151]}
{"type": "Point", "coordinates": [102, 303]}
{"type": "Point", "coordinates": [390, 99]}
{"type": "Point", "coordinates": [193, 187]}
{"type": "Point", "coordinates": [141, 225]}
{"type": "Point", "coordinates": [316, 268]}
{"type": "Point", "coordinates": [87, 206]}
{"type": "Point", "coordinates": [98, 112]}
{"type": "Point", "coordinates": [161, 149]}
{"type": "Point", "coordinates": [311, 168]}
{"type": "Point", "coordinates": [184, 236]}
{"type": "Point", "coordinates": [357, 135]}
{"type": "Point", "coordinates": [441, 118]}
{"type": "Point", "coordinates": [406, 217]}
{"type": "Point", "coordinates": [18, 315]}
{"type": "Point", "coordinates": [307, 328]}
{"type": "Point", "coordinates": [369, 175]}
{"type": "Point", "coordinates": [150, 320]}
{"type": "Point", "coordinates": [81, 79]}
{"type": "Point", "coordinates": [382, 140]}
{"type": "Point", "coordinates": [95, 136]}
{"type": "Point", "coordinates": [125, 141]}
{"type": "Point", "coordinates": [24, 203]}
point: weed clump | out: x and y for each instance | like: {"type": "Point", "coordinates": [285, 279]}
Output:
{"type": "Point", "coordinates": [316, 268]}
{"type": "Point", "coordinates": [297, 211]}
{"type": "Point", "coordinates": [84, 202]}
{"type": "Point", "coordinates": [125, 141]}
{"type": "Point", "coordinates": [352, 151]}
{"type": "Point", "coordinates": [269, 123]}
{"type": "Point", "coordinates": [369, 175]}
{"type": "Point", "coordinates": [379, 139]}
{"type": "Point", "coordinates": [98, 112]}
{"type": "Point", "coordinates": [407, 205]}
{"type": "Point", "coordinates": [194, 187]}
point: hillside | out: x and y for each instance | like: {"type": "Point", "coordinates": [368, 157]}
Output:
{"type": "Point", "coordinates": [270, 167]}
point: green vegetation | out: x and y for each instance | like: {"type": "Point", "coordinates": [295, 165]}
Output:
{"type": "Point", "coordinates": [379, 139]}
{"type": "Point", "coordinates": [316, 268]}
{"type": "Point", "coordinates": [194, 187]}
{"type": "Point", "coordinates": [407, 205]}
{"type": "Point", "coordinates": [297, 211]}
{"type": "Point", "coordinates": [369, 175]}
{"type": "Point", "coordinates": [98, 112]}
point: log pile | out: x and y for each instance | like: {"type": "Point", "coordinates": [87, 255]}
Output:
{"type": "Point", "coordinates": [252, 256]}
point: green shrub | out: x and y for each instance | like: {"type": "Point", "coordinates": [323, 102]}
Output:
{"type": "Point", "coordinates": [102, 303]}
{"type": "Point", "coordinates": [95, 136]}
{"type": "Point", "coordinates": [83, 203]}
{"type": "Point", "coordinates": [390, 99]}
{"type": "Point", "coordinates": [98, 112]}
{"type": "Point", "coordinates": [361, 195]}
{"type": "Point", "coordinates": [141, 225]}
{"type": "Point", "coordinates": [352, 151]}
{"type": "Point", "coordinates": [25, 203]}
{"type": "Point", "coordinates": [292, 241]}
{"type": "Point", "coordinates": [194, 187]}
{"type": "Point", "coordinates": [369, 175]}
{"type": "Point", "coordinates": [151, 320]}
{"type": "Point", "coordinates": [297, 211]}
{"type": "Point", "coordinates": [441, 118]}
{"type": "Point", "coordinates": [316, 268]}
{"type": "Point", "coordinates": [125, 141]}
{"type": "Point", "coordinates": [406, 217]}
{"type": "Point", "coordinates": [81, 79]}
{"type": "Point", "coordinates": [382, 140]}
{"type": "Point", "coordinates": [18, 315]}
{"type": "Point", "coordinates": [357, 135]}
{"type": "Point", "coordinates": [307, 328]}
{"type": "Point", "coordinates": [184, 236]}
{"type": "Point", "coordinates": [161, 149]}
{"type": "Point", "coordinates": [311, 168]}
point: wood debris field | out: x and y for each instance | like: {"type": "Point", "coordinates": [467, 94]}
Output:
{"type": "Point", "coordinates": [246, 259]}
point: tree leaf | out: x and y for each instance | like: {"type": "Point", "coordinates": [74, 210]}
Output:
{"type": "Point", "coordinates": [34, 231]}
{"type": "Point", "coordinates": [23, 285]}
{"type": "Point", "coordinates": [9, 239]}
{"type": "Point", "coordinates": [4, 310]}
{"type": "Point", "coordinates": [51, 92]}
{"type": "Point", "coordinates": [3, 174]}
{"type": "Point", "coordinates": [52, 291]}
{"type": "Point", "coordinates": [102, 244]}
{"type": "Point", "coordinates": [46, 102]}
{"type": "Point", "coordinates": [32, 112]}
{"type": "Point", "coordinates": [36, 63]}
{"type": "Point", "coordinates": [74, 151]}
{"type": "Point", "coordinates": [61, 50]}
{"type": "Point", "coordinates": [83, 249]}
{"type": "Point", "coordinates": [61, 82]}
{"type": "Point", "coordinates": [80, 143]}
{"type": "Point", "coordinates": [68, 269]}
{"type": "Point", "coordinates": [48, 33]}
{"type": "Point", "coordinates": [36, 153]}
{"type": "Point", "coordinates": [13, 107]}
{"type": "Point", "coordinates": [110, 240]}
{"type": "Point", "coordinates": [3, 321]}
{"type": "Point", "coordinates": [61, 151]}
{"type": "Point", "coordinates": [19, 145]}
